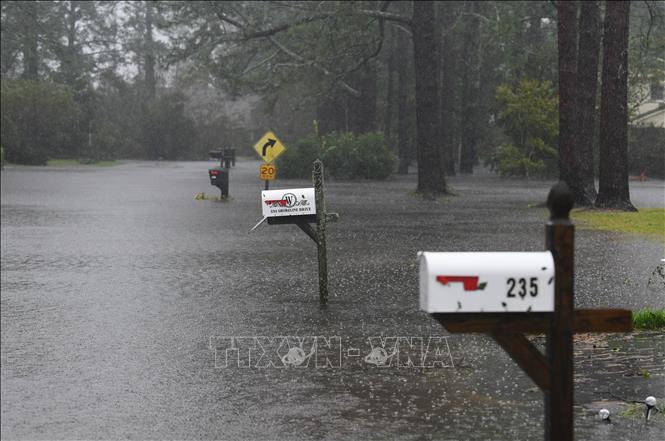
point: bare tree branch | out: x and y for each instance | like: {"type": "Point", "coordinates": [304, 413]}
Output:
{"type": "Point", "coordinates": [284, 26]}
{"type": "Point", "coordinates": [315, 65]}
{"type": "Point", "coordinates": [384, 15]}
{"type": "Point", "coordinates": [260, 63]}
{"type": "Point", "coordinates": [270, 33]}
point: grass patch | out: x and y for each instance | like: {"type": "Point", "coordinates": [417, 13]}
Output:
{"type": "Point", "coordinates": [205, 197]}
{"type": "Point", "coordinates": [649, 319]}
{"type": "Point", "coordinates": [78, 162]}
{"type": "Point", "coordinates": [638, 411]}
{"type": "Point", "coordinates": [649, 221]}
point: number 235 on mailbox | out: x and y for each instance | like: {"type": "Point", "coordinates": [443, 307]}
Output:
{"type": "Point", "coordinates": [486, 282]}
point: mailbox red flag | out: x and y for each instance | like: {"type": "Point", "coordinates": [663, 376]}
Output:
{"type": "Point", "coordinates": [470, 282]}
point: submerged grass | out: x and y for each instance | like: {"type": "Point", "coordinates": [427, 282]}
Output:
{"type": "Point", "coordinates": [649, 221]}
{"type": "Point", "coordinates": [77, 162]}
{"type": "Point", "coordinates": [205, 197]}
{"type": "Point", "coordinates": [638, 410]}
{"type": "Point", "coordinates": [649, 319]}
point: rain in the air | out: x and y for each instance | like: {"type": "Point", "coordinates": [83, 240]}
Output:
{"type": "Point", "coordinates": [333, 220]}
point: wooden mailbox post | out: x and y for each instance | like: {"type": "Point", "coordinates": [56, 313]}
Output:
{"type": "Point", "coordinates": [553, 372]}
{"type": "Point", "coordinates": [303, 219]}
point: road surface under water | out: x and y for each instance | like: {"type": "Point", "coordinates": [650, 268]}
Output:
{"type": "Point", "coordinates": [118, 286]}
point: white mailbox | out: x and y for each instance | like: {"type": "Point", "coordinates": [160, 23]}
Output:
{"type": "Point", "coordinates": [486, 282]}
{"type": "Point", "coordinates": [288, 202]}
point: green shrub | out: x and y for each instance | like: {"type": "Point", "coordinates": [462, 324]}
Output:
{"type": "Point", "coordinates": [649, 319]}
{"type": "Point", "coordinates": [344, 156]}
{"type": "Point", "coordinates": [341, 157]}
{"type": "Point", "coordinates": [375, 160]}
{"type": "Point", "coordinates": [168, 133]}
{"type": "Point", "coordinates": [512, 162]}
{"type": "Point", "coordinates": [529, 118]}
{"type": "Point", "coordinates": [296, 161]}
{"type": "Point", "coordinates": [39, 120]}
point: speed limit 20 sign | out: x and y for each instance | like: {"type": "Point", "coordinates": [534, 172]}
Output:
{"type": "Point", "coordinates": [486, 282]}
{"type": "Point", "coordinates": [268, 172]}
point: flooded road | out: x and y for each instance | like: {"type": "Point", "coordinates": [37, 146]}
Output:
{"type": "Point", "coordinates": [119, 290]}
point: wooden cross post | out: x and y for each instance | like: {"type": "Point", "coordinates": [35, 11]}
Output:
{"type": "Point", "coordinates": [317, 177]}
{"type": "Point", "coordinates": [318, 235]}
{"type": "Point", "coordinates": [560, 239]}
{"type": "Point", "coordinates": [553, 372]}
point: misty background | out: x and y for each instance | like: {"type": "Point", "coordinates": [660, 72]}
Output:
{"type": "Point", "coordinates": [105, 80]}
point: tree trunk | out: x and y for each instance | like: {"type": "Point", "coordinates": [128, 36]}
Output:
{"type": "Point", "coordinates": [567, 44]}
{"type": "Point", "coordinates": [149, 53]}
{"type": "Point", "coordinates": [331, 116]}
{"type": "Point", "coordinates": [470, 89]}
{"type": "Point", "coordinates": [447, 95]}
{"type": "Point", "coordinates": [613, 189]}
{"type": "Point", "coordinates": [390, 66]}
{"type": "Point", "coordinates": [30, 46]}
{"type": "Point", "coordinates": [431, 180]}
{"type": "Point", "coordinates": [403, 140]}
{"type": "Point", "coordinates": [362, 109]}
{"type": "Point", "coordinates": [69, 65]}
{"type": "Point", "coordinates": [533, 41]}
{"type": "Point", "coordinates": [588, 55]}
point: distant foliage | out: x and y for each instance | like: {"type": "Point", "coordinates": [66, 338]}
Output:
{"type": "Point", "coordinates": [344, 156]}
{"type": "Point", "coordinates": [646, 151]}
{"type": "Point", "coordinates": [529, 118]}
{"type": "Point", "coordinates": [168, 132]}
{"type": "Point", "coordinates": [38, 120]}
{"type": "Point", "coordinates": [41, 120]}
{"type": "Point", "coordinates": [296, 161]}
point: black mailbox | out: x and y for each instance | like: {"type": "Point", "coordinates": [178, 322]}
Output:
{"type": "Point", "coordinates": [219, 177]}
{"type": "Point", "coordinates": [229, 157]}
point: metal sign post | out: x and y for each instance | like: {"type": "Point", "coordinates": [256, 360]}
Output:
{"type": "Point", "coordinates": [553, 372]}
{"type": "Point", "coordinates": [269, 147]}
{"type": "Point", "coordinates": [267, 173]}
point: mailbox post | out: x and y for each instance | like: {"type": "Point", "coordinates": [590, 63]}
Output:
{"type": "Point", "coordinates": [219, 177]}
{"type": "Point", "coordinates": [553, 373]}
{"type": "Point", "coordinates": [317, 177]}
{"type": "Point", "coordinates": [229, 157]}
{"type": "Point", "coordinates": [302, 207]}
{"type": "Point", "coordinates": [560, 239]}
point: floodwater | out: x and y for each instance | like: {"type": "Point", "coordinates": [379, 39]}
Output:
{"type": "Point", "coordinates": [120, 292]}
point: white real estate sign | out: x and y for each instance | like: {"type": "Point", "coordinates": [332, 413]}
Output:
{"type": "Point", "coordinates": [486, 282]}
{"type": "Point", "coordinates": [288, 202]}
